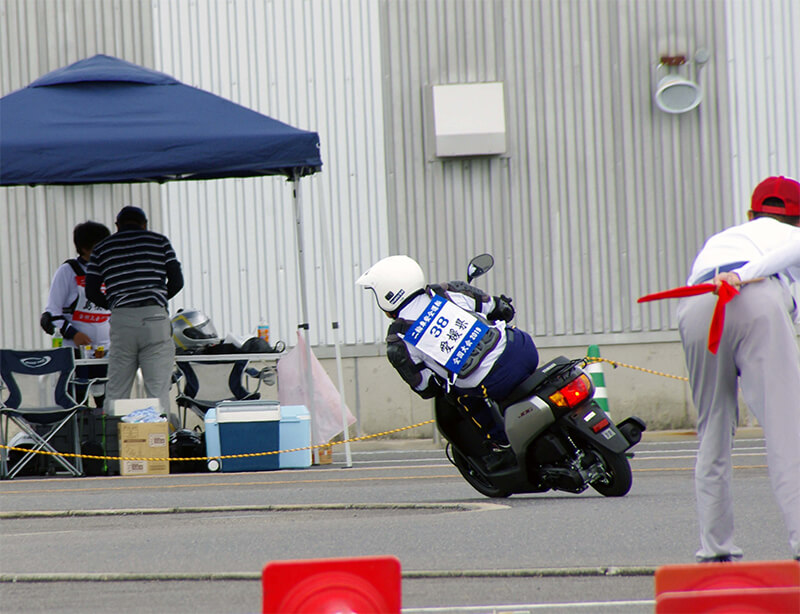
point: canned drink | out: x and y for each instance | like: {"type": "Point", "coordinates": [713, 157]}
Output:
{"type": "Point", "coordinates": [263, 332]}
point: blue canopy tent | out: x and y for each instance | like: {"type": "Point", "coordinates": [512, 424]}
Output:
{"type": "Point", "coordinates": [105, 120]}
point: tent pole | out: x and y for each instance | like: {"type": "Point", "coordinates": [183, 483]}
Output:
{"type": "Point", "coordinates": [298, 214]}
{"type": "Point", "coordinates": [330, 278]}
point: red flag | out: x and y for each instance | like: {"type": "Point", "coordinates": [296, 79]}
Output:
{"type": "Point", "coordinates": [726, 293]}
{"type": "Point", "coordinates": [678, 292]}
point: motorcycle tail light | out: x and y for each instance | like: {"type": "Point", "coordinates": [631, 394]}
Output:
{"type": "Point", "coordinates": [574, 393]}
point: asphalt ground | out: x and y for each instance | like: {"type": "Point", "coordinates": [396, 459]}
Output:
{"type": "Point", "coordinates": [53, 561]}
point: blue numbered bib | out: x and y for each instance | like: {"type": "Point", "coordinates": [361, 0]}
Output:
{"type": "Point", "coordinates": [446, 333]}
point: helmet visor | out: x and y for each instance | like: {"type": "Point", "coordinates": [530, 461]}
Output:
{"type": "Point", "coordinates": [201, 331]}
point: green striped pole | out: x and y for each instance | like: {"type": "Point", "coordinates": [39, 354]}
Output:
{"type": "Point", "coordinates": [595, 370]}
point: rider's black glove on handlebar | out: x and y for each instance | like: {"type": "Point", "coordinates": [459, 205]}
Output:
{"type": "Point", "coordinates": [503, 309]}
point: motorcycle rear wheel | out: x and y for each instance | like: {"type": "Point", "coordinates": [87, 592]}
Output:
{"type": "Point", "coordinates": [475, 479]}
{"type": "Point", "coordinates": [618, 469]}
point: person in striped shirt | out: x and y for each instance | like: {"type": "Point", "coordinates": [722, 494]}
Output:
{"type": "Point", "coordinates": [141, 273]}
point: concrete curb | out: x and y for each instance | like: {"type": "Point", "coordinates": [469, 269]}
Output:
{"type": "Point", "coordinates": [567, 572]}
{"type": "Point", "coordinates": [301, 507]}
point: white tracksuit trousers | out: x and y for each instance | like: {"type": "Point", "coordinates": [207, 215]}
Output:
{"type": "Point", "coordinates": [758, 351]}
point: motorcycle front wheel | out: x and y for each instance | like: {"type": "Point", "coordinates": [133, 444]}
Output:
{"type": "Point", "coordinates": [475, 479]}
{"type": "Point", "coordinates": [618, 478]}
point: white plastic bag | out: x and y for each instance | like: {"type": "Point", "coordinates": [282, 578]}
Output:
{"type": "Point", "coordinates": [147, 414]}
{"type": "Point", "coordinates": [326, 410]}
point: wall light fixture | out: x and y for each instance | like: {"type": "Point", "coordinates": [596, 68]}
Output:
{"type": "Point", "coordinates": [675, 92]}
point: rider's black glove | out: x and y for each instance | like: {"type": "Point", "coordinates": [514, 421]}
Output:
{"type": "Point", "coordinates": [434, 388]}
{"type": "Point", "coordinates": [503, 309]}
{"type": "Point", "coordinates": [46, 322]}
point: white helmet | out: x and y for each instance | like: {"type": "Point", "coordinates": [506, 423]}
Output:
{"type": "Point", "coordinates": [193, 330]}
{"type": "Point", "coordinates": [393, 280]}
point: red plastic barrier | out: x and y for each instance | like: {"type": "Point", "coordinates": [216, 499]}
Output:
{"type": "Point", "coordinates": [744, 588]}
{"type": "Point", "coordinates": [360, 585]}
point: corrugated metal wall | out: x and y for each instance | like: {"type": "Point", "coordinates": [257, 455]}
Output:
{"type": "Point", "coordinates": [600, 199]}
{"type": "Point", "coordinates": [764, 70]}
{"type": "Point", "coordinates": [36, 223]}
{"type": "Point", "coordinates": [315, 65]}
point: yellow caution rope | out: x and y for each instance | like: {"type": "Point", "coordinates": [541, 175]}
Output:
{"type": "Point", "coordinates": [587, 359]}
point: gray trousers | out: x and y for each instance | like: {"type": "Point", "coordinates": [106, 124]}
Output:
{"type": "Point", "coordinates": [759, 352]}
{"type": "Point", "coordinates": [141, 338]}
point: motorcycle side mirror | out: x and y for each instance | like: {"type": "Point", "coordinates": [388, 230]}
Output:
{"type": "Point", "coordinates": [479, 265]}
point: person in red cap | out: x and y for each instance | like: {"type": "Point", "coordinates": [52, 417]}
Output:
{"type": "Point", "coordinates": [758, 352]}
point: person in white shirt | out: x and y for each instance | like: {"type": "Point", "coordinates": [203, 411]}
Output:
{"type": "Point", "coordinates": [758, 352]}
{"type": "Point", "coordinates": [80, 321]}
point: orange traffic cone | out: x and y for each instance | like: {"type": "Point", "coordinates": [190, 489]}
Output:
{"type": "Point", "coordinates": [760, 587]}
{"type": "Point", "coordinates": [360, 585]}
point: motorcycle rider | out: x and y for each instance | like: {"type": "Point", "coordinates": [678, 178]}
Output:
{"type": "Point", "coordinates": [452, 337]}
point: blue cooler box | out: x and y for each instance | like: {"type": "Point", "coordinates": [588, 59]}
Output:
{"type": "Point", "coordinates": [246, 427]}
{"type": "Point", "coordinates": [295, 432]}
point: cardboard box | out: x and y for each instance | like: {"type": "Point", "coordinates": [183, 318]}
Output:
{"type": "Point", "coordinates": [144, 440]}
{"type": "Point", "coordinates": [323, 455]}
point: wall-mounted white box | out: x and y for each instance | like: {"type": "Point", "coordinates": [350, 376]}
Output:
{"type": "Point", "coordinates": [469, 119]}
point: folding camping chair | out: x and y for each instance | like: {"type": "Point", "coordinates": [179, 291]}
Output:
{"type": "Point", "coordinates": [200, 387]}
{"type": "Point", "coordinates": [43, 421]}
